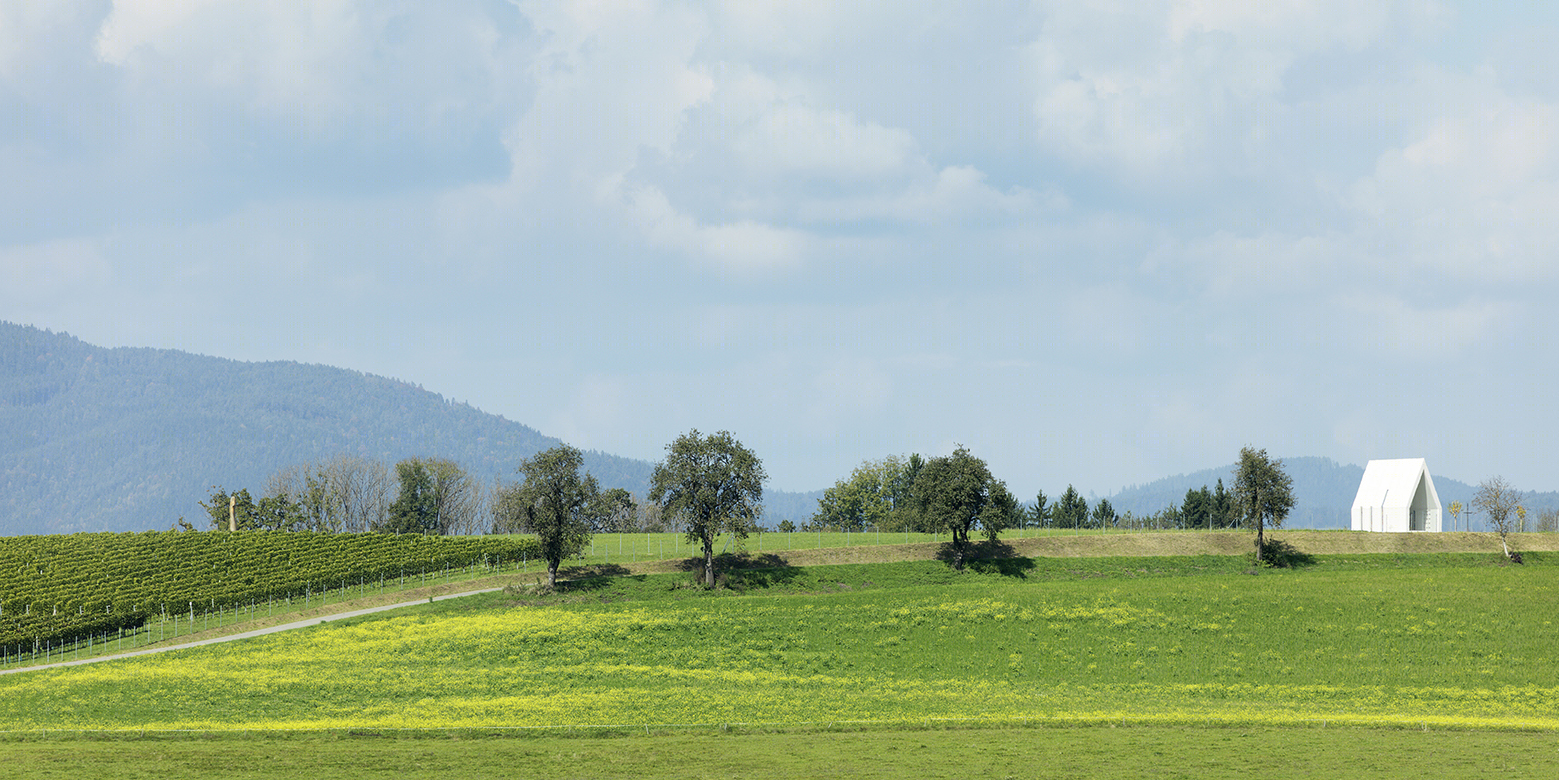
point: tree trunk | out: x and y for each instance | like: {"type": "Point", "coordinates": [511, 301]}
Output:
{"type": "Point", "coordinates": [552, 574]}
{"type": "Point", "coordinates": [709, 563]}
{"type": "Point", "coordinates": [1261, 542]}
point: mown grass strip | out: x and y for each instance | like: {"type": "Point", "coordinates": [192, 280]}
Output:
{"type": "Point", "coordinates": [1131, 752]}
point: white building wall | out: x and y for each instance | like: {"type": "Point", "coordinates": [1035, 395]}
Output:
{"type": "Point", "coordinates": [1396, 496]}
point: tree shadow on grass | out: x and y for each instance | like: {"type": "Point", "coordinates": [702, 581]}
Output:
{"type": "Point", "coordinates": [1279, 554]}
{"type": "Point", "coordinates": [989, 557]}
{"type": "Point", "coordinates": [595, 577]}
{"type": "Point", "coordinates": [744, 570]}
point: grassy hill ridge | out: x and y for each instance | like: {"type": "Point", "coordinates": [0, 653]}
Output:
{"type": "Point", "coordinates": [1182, 543]}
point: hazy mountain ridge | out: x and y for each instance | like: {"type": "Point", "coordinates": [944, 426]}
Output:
{"type": "Point", "coordinates": [97, 439]}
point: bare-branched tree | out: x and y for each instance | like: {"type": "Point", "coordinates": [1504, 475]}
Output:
{"type": "Point", "coordinates": [1499, 501]}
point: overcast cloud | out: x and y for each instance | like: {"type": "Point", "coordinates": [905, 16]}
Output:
{"type": "Point", "coordinates": [1096, 242]}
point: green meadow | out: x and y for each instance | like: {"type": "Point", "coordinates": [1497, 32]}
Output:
{"type": "Point", "coordinates": [1421, 641]}
{"type": "Point", "coordinates": [992, 667]}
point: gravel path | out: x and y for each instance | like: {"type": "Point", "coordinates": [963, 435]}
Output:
{"type": "Point", "coordinates": [314, 621]}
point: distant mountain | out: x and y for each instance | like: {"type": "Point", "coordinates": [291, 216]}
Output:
{"type": "Point", "coordinates": [1323, 491]}
{"type": "Point", "coordinates": [128, 439]}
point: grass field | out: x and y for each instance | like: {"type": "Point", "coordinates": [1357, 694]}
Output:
{"type": "Point", "coordinates": [1187, 654]}
{"type": "Point", "coordinates": [1050, 752]}
{"type": "Point", "coordinates": [1144, 641]}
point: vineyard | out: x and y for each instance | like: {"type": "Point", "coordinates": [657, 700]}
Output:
{"type": "Point", "coordinates": [56, 589]}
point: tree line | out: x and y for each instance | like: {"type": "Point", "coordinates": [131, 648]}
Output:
{"type": "Point", "coordinates": [706, 486]}
{"type": "Point", "coordinates": [353, 494]}
{"type": "Point", "coordinates": [955, 494]}
{"type": "Point", "coordinates": [878, 495]}
{"type": "Point", "coordinates": [915, 494]}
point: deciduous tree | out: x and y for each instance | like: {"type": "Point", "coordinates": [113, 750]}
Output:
{"type": "Point", "coordinates": [1001, 512]}
{"type": "Point", "coordinates": [1548, 520]}
{"type": "Point", "coordinates": [271, 513]}
{"type": "Point", "coordinates": [714, 484]}
{"type": "Point", "coordinates": [613, 511]}
{"type": "Point", "coordinates": [956, 492]}
{"type": "Point", "coordinates": [457, 498]}
{"type": "Point", "coordinates": [237, 508]}
{"type": "Point", "coordinates": [345, 493]}
{"type": "Point", "coordinates": [1263, 494]}
{"type": "Point", "coordinates": [875, 495]}
{"type": "Point", "coordinates": [414, 510]}
{"type": "Point", "coordinates": [556, 504]}
{"type": "Point", "coordinates": [1499, 502]}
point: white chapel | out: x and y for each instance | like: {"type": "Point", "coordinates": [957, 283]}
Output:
{"type": "Point", "coordinates": [1396, 496]}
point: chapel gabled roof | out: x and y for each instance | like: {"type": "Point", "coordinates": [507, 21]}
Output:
{"type": "Point", "coordinates": [1392, 483]}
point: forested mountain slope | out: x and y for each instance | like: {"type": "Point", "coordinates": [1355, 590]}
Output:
{"type": "Point", "coordinates": [95, 439]}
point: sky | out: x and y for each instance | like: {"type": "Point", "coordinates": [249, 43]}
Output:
{"type": "Point", "coordinates": [1095, 242]}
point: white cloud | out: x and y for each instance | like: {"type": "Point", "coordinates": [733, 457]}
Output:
{"type": "Point", "coordinates": [793, 29]}
{"type": "Point", "coordinates": [794, 140]}
{"type": "Point", "coordinates": [612, 81]}
{"type": "Point", "coordinates": [955, 195]}
{"type": "Point", "coordinates": [744, 246]}
{"type": "Point", "coordinates": [317, 67]}
{"type": "Point", "coordinates": [32, 38]}
{"type": "Point", "coordinates": [1182, 90]}
{"type": "Point", "coordinates": [1474, 193]}
{"type": "Point", "coordinates": [298, 62]}
{"type": "Point", "coordinates": [1269, 266]}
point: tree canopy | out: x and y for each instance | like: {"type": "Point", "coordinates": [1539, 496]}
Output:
{"type": "Point", "coordinates": [556, 504]}
{"type": "Point", "coordinates": [271, 513]}
{"type": "Point", "coordinates": [415, 510]}
{"type": "Point", "coordinates": [1263, 494]}
{"type": "Point", "coordinates": [956, 492]}
{"type": "Point", "coordinates": [436, 496]}
{"type": "Point", "coordinates": [715, 484]}
{"type": "Point", "coordinates": [875, 495]}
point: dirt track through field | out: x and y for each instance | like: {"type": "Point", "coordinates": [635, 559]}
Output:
{"type": "Point", "coordinates": [313, 621]}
